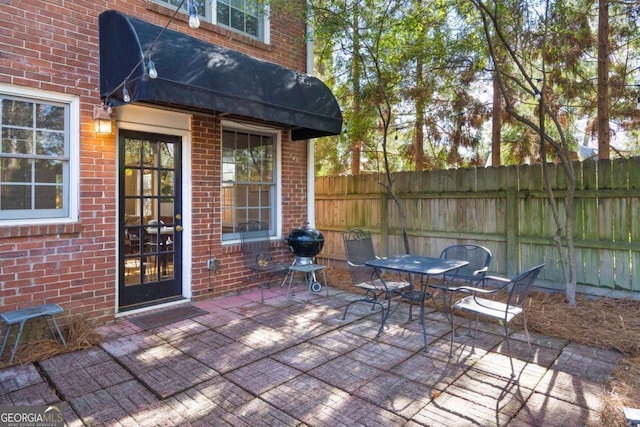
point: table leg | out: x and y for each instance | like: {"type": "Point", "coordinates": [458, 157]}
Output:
{"type": "Point", "coordinates": [424, 326]}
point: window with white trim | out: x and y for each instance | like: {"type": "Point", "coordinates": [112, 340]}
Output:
{"type": "Point", "coordinates": [36, 155]}
{"type": "Point", "coordinates": [248, 17]}
{"type": "Point", "coordinates": [249, 181]}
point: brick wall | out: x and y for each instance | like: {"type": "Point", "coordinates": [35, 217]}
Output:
{"type": "Point", "coordinates": [53, 45]}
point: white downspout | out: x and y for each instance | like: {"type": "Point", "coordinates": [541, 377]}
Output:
{"type": "Point", "coordinates": [311, 185]}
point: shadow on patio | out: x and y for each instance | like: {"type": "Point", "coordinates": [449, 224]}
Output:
{"type": "Point", "coordinates": [289, 363]}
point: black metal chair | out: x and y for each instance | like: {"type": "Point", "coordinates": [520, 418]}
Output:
{"type": "Point", "coordinates": [258, 254]}
{"type": "Point", "coordinates": [479, 259]}
{"type": "Point", "coordinates": [476, 303]}
{"type": "Point", "coordinates": [359, 249]}
{"type": "Point", "coordinates": [472, 274]}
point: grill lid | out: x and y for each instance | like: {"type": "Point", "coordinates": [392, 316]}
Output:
{"type": "Point", "coordinates": [305, 241]}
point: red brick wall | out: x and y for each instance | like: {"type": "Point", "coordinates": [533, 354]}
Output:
{"type": "Point", "coordinates": [207, 224]}
{"type": "Point", "coordinates": [53, 45]}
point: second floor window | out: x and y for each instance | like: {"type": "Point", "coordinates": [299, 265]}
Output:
{"type": "Point", "coordinates": [241, 15]}
{"type": "Point", "coordinates": [247, 17]}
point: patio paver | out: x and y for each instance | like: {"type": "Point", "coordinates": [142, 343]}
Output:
{"type": "Point", "coordinates": [285, 363]}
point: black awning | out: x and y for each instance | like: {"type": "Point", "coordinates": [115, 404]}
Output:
{"type": "Point", "coordinates": [200, 76]}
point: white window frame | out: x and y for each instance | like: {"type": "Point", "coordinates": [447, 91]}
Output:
{"type": "Point", "coordinates": [73, 142]}
{"type": "Point", "coordinates": [209, 14]}
{"type": "Point", "coordinates": [227, 125]}
{"type": "Point", "coordinates": [262, 17]}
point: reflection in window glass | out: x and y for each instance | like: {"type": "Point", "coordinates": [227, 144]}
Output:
{"type": "Point", "coordinates": [244, 16]}
{"type": "Point", "coordinates": [34, 159]}
{"type": "Point", "coordinates": [249, 184]}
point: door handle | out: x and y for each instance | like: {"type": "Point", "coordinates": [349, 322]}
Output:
{"type": "Point", "coordinates": [179, 228]}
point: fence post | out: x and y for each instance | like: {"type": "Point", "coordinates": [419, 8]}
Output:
{"type": "Point", "coordinates": [384, 223]}
{"type": "Point", "coordinates": [511, 232]}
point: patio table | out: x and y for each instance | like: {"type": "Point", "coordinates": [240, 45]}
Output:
{"type": "Point", "coordinates": [425, 267]}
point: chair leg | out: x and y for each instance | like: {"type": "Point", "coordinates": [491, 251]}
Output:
{"type": "Point", "coordinates": [475, 332]}
{"type": "Point", "coordinates": [370, 297]}
{"type": "Point", "coordinates": [372, 300]}
{"type": "Point", "coordinates": [469, 328]}
{"type": "Point", "coordinates": [382, 321]}
{"type": "Point", "coordinates": [344, 315]}
{"type": "Point", "coordinates": [453, 332]}
{"type": "Point", "coordinates": [373, 303]}
{"type": "Point", "coordinates": [261, 287]}
{"type": "Point", "coordinates": [526, 332]}
{"type": "Point", "coordinates": [506, 335]}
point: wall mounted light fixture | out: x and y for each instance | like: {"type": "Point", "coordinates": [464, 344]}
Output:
{"type": "Point", "coordinates": [102, 119]}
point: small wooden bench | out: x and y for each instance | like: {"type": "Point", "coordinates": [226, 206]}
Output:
{"type": "Point", "coordinates": [46, 311]}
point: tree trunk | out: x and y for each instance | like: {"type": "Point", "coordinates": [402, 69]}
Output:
{"type": "Point", "coordinates": [356, 134]}
{"type": "Point", "coordinates": [604, 133]}
{"type": "Point", "coordinates": [496, 124]}
{"type": "Point", "coordinates": [419, 130]}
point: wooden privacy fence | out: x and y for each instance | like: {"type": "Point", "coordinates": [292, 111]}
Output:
{"type": "Point", "coordinates": [503, 208]}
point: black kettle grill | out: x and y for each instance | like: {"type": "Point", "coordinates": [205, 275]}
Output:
{"type": "Point", "coordinates": [305, 242]}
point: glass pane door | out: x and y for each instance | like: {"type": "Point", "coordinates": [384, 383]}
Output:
{"type": "Point", "coordinates": [150, 219]}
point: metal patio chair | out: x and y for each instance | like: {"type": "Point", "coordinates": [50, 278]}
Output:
{"type": "Point", "coordinates": [259, 256]}
{"type": "Point", "coordinates": [476, 303]}
{"type": "Point", "coordinates": [479, 259]}
{"type": "Point", "coordinates": [473, 274]}
{"type": "Point", "coordinates": [359, 249]}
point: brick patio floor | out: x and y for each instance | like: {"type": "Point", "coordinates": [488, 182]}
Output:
{"type": "Point", "coordinates": [287, 363]}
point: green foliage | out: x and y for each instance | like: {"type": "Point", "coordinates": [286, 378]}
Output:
{"type": "Point", "coordinates": [430, 59]}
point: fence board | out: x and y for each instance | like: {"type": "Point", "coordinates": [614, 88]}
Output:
{"type": "Point", "coordinates": [619, 175]}
{"type": "Point", "coordinates": [606, 218]}
{"type": "Point", "coordinates": [591, 266]}
{"type": "Point", "coordinates": [589, 175]}
{"type": "Point", "coordinates": [607, 263]}
{"type": "Point", "coordinates": [622, 270]}
{"type": "Point", "coordinates": [488, 179]}
{"type": "Point", "coordinates": [635, 271]}
{"type": "Point", "coordinates": [633, 166]}
{"type": "Point", "coordinates": [605, 177]}
{"type": "Point", "coordinates": [503, 208]}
